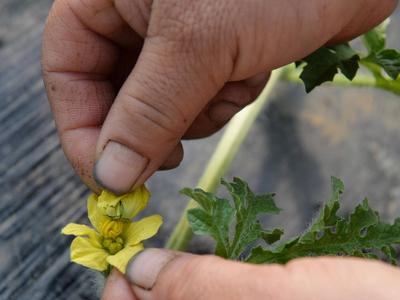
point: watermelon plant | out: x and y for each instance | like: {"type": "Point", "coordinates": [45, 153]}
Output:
{"type": "Point", "coordinates": [234, 223]}
{"type": "Point", "coordinates": [235, 226]}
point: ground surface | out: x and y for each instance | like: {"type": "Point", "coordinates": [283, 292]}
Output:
{"type": "Point", "coordinates": [297, 143]}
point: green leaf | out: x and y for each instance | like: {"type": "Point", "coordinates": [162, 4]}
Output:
{"type": "Point", "coordinates": [236, 228]}
{"type": "Point", "coordinates": [272, 236]}
{"type": "Point", "coordinates": [248, 207]}
{"type": "Point", "coordinates": [375, 40]}
{"type": "Point", "coordinates": [389, 60]}
{"type": "Point", "coordinates": [233, 225]}
{"type": "Point", "coordinates": [323, 64]}
{"type": "Point", "coordinates": [360, 234]}
{"type": "Point", "coordinates": [328, 215]}
{"type": "Point", "coordinates": [203, 220]}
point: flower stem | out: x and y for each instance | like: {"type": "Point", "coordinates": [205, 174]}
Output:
{"type": "Point", "coordinates": [221, 159]}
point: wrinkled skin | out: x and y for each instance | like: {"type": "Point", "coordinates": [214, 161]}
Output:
{"type": "Point", "coordinates": [147, 74]}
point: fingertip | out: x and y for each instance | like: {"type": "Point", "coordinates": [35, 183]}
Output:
{"type": "Point", "coordinates": [174, 159]}
{"type": "Point", "coordinates": [221, 112]}
{"type": "Point", "coordinates": [117, 287]}
{"type": "Point", "coordinates": [144, 269]}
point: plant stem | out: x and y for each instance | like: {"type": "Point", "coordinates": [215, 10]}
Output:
{"type": "Point", "coordinates": [222, 158]}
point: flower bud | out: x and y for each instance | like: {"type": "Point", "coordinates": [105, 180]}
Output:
{"type": "Point", "coordinates": [123, 207]}
{"type": "Point", "coordinates": [111, 228]}
{"type": "Point", "coordinates": [106, 243]}
{"type": "Point", "coordinates": [115, 247]}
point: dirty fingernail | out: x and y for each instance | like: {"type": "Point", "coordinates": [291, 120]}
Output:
{"type": "Point", "coordinates": [144, 269]}
{"type": "Point", "coordinates": [119, 167]}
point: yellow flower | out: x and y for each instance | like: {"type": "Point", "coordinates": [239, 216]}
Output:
{"type": "Point", "coordinates": [126, 206]}
{"type": "Point", "coordinates": [111, 242]}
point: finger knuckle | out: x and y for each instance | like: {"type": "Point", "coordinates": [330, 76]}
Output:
{"type": "Point", "coordinates": [190, 25]}
{"type": "Point", "coordinates": [160, 116]}
{"type": "Point", "coordinates": [135, 13]}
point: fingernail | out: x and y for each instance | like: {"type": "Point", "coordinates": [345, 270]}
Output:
{"type": "Point", "coordinates": [143, 270]}
{"type": "Point", "coordinates": [118, 168]}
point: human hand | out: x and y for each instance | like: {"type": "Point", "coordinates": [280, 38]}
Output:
{"type": "Point", "coordinates": [162, 274]}
{"type": "Point", "coordinates": [134, 77]}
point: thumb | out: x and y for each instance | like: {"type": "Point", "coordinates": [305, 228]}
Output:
{"type": "Point", "coordinates": [117, 288]}
{"type": "Point", "coordinates": [163, 274]}
{"type": "Point", "coordinates": [158, 102]}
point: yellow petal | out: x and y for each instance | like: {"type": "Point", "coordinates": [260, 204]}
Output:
{"type": "Point", "coordinates": [87, 254]}
{"type": "Point", "coordinates": [110, 204]}
{"type": "Point", "coordinates": [78, 230]}
{"type": "Point", "coordinates": [121, 259]}
{"type": "Point", "coordinates": [94, 214]}
{"type": "Point", "coordinates": [109, 197]}
{"type": "Point", "coordinates": [141, 230]}
{"type": "Point", "coordinates": [82, 230]}
{"type": "Point", "coordinates": [126, 206]}
{"type": "Point", "coordinates": [134, 202]}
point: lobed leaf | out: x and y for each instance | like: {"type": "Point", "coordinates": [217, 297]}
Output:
{"type": "Point", "coordinates": [203, 219]}
{"type": "Point", "coordinates": [323, 64]}
{"type": "Point", "coordinates": [375, 39]}
{"type": "Point", "coordinates": [216, 217]}
{"type": "Point", "coordinates": [388, 60]}
{"type": "Point", "coordinates": [361, 234]}
{"type": "Point", "coordinates": [235, 227]}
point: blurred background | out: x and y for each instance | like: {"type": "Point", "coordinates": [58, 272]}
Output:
{"type": "Point", "coordinates": [297, 143]}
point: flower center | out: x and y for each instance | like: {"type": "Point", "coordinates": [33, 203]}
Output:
{"type": "Point", "coordinates": [113, 245]}
{"type": "Point", "coordinates": [111, 228]}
